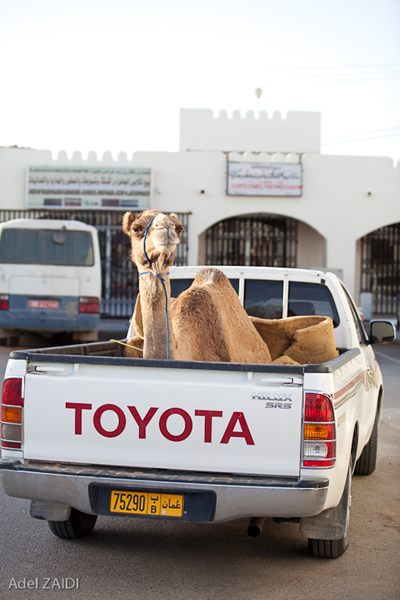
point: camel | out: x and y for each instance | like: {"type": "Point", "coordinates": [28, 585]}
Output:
{"type": "Point", "coordinates": [206, 322]}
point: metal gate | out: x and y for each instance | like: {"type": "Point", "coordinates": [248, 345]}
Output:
{"type": "Point", "coordinates": [253, 241]}
{"type": "Point", "coordinates": [380, 268]}
{"type": "Point", "coordinates": [119, 275]}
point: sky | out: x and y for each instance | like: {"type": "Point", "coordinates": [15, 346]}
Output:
{"type": "Point", "coordinates": [102, 75]}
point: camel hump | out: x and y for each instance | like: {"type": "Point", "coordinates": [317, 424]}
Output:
{"type": "Point", "coordinates": [210, 276]}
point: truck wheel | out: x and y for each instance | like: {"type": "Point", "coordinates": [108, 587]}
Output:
{"type": "Point", "coordinates": [335, 548]}
{"type": "Point", "coordinates": [78, 525]}
{"type": "Point", "coordinates": [366, 464]}
{"type": "Point", "coordinates": [328, 548]}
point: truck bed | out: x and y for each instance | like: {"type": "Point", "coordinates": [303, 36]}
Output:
{"type": "Point", "coordinates": [111, 353]}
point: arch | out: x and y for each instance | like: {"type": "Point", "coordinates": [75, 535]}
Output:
{"type": "Point", "coordinates": [262, 239]}
{"type": "Point", "coordinates": [378, 257]}
{"type": "Point", "coordinates": [384, 225]}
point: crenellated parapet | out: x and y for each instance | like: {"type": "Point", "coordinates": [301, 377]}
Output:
{"type": "Point", "coordinates": [91, 160]}
{"type": "Point", "coordinates": [265, 157]}
{"type": "Point", "coordinates": [300, 132]}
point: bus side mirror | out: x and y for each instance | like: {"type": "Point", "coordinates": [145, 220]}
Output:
{"type": "Point", "coordinates": [382, 332]}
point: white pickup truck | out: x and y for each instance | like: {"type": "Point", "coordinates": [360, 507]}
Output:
{"type": "Point", "coordinates": [88, 432]}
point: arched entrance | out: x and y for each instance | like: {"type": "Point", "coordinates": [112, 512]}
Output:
{"type": "Point", "coordinates": [380, 268]}
{"type": "Point", "coordinates": [254, 240]}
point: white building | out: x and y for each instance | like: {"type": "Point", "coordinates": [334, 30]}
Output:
{"type": "Point", "coordinates": [249, 191]}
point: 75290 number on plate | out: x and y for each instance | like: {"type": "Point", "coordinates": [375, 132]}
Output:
{"type": "Point", "coordinates": [146, 503]}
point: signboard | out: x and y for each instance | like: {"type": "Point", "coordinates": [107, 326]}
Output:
{"type": "Point", "coordinates": [263, 179]}
{"type": "Point", "coordinates": [121, 188]}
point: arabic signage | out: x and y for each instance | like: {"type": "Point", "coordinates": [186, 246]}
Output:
{"type": "Point", "coordinates": [263, 179]}
{"type": "Point", "coordinates": [89, 187]}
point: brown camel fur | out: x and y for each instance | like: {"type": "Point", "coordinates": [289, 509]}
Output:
{"type": "Point", "coordinates": [206, 322]}
{"type": "Point", "coordinates": [291, 341]}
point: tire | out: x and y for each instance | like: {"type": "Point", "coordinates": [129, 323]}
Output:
{"type": "Point", "coordinates": [366, 464]}
{"type": "Point", "coordinates": [78, 525]}
{"type": "Point", "coordinates": [335, 548]}
{"type": "Point", "coordinates": [328, 548]}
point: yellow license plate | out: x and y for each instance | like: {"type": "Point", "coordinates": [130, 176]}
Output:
{"type": "Point", "coordinates": [146, 503]}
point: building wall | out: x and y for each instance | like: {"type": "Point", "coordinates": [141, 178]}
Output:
{"type": "Point", "coordinates": [299, 132]}
{"type": "Point", "coordinates": [335, 204]}
{"type": "Point", "coordinates": [343, 198]}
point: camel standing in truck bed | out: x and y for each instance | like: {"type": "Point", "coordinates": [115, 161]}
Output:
{"type": "Point", "coordinates": [206, 322]}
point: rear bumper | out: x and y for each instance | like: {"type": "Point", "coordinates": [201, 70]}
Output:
{"type": "Point", "coordinates": [236, 496]}
{"type": "Point", "coordinates": [37, 322]}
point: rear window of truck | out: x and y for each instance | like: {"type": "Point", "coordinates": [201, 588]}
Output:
{"type": "Point", "coordinates": [311, 299]}
{"type": "Point", "coordinates": [264, 299]}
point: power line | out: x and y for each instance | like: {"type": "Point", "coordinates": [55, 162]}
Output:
{"type": "Point", "coordinates": [325, 67]}
{"type": "Point", "coordinates": [320, 74]}
{"type": "Point", "coordinates": [337, 74]}
{"type": "Point", "coordinates": [362, 139]}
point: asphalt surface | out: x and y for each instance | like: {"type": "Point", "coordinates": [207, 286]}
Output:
{"type": "Point", "coordinates": [137, 559]}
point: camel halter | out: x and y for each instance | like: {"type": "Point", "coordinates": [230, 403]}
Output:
{"type": "Point", "coordinates": [160, 277]}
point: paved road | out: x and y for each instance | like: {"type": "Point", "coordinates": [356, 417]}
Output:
{"type": "Point", "coordinates": [142, 560]}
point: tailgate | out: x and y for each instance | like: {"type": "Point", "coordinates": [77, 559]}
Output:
{"type": "Point", "coordinates": [189, 419]}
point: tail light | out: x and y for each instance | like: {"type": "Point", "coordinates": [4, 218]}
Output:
{"type": "Point", "coordinates": [3, 301]}
{"type": "Point", "coordinates": [11, 414]}
{"type": "Point", "coordinates": [89, 305]}
{"type": "Point", "coordinates": [319, 436]}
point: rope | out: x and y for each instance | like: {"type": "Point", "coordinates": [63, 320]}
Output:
{"type": "Point", "coordinates": [144, 240]}
{"type": "Point", "coordinates": [144, 245]}
{"type": "Point", "coordinates": [160, 276]}
{"type": "Point", "coordinates": [127, 345]}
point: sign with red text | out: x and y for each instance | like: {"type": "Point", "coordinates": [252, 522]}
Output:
{"type": "Point", "coordinates": [142, 417]}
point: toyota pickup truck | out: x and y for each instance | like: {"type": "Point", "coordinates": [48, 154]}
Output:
{"type": "Point", "coordinates": [87, 431]}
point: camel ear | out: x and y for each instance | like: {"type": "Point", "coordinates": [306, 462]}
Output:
{"type": "Point", "coordinates": [178, 225]}
{"type": "Point", "coordinates": [127, 222]}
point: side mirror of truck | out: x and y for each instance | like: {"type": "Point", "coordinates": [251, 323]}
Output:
{"type": "Point", "coordinates": [382, 332]}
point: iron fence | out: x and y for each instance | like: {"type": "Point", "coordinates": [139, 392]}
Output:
{"type": "Point", "coordinates": [380, 268]}
{"type": "Point", "coordinates": [253, 241]}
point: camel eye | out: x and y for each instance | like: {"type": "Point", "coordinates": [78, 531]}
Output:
{"type": "Point", "coordinates": [136, 231]}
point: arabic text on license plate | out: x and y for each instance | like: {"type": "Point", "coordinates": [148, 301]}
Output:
{"type": "Point", "coordinates": [43, 304]}
{"type": "Point", "coordinates": [146, 503]}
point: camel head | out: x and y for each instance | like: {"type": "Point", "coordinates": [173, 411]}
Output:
{"type": "Point", "coordinates": [154, 238]}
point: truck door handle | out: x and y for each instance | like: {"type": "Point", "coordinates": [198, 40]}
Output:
{"type": "Point", "coordinates": [293, 381]}
{"type": "Point", "coordinates": [44, 369]}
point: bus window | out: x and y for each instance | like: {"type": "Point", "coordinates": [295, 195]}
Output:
{"type": "Point", "coordinates": [46, 247]}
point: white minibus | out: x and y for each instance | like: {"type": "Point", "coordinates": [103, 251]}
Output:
{"type": "Point", "coordinates": [50, 278]}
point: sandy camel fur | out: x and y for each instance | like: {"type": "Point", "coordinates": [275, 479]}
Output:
{"type": "Point", "coordinates": [206, 322]}
{"type": "Point", "coordinates": [291, 341]}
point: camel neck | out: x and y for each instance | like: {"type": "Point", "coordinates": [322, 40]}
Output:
{"type": "Point", "coordinates": [155, 296]}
